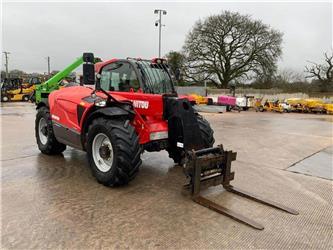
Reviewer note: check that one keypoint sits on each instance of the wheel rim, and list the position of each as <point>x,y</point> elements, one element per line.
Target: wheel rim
<point>102,152</point>
<point>42,131</point>
<point>5,98</point>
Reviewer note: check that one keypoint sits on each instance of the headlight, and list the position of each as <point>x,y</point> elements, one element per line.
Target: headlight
<point>158,135</point>
<point>100,103</point>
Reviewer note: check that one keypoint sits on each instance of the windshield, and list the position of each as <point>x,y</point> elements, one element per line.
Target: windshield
<point>155,77</point>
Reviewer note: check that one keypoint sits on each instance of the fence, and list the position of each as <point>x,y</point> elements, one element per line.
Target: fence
<point>262,93</point>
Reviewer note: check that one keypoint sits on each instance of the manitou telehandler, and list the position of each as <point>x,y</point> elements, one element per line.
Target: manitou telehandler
<point>133,108</point>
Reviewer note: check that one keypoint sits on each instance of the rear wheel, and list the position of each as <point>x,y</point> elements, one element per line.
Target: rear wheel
<point>46,141</point>
<point>113,151</point>
<point>25,98</point>
<point>207,135</point>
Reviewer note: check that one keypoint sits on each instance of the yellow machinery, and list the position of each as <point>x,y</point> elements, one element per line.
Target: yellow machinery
<point>9,86</point>
<point>296,104</point>
<point>269,105</point>
<point>199,99</point>
<point>273,106</point>
<point>329,108</point>
<point>15,90</point>
<point>257,104</point>
<point>21,94</point>
<point>307,105</point>
<point>314,105</point>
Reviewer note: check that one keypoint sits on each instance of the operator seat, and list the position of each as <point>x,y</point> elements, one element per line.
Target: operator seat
<point>124,86</point>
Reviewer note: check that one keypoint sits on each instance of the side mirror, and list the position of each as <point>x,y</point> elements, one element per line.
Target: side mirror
<point>88,57</point>
<point>88,69</point>
<point>88,74</point>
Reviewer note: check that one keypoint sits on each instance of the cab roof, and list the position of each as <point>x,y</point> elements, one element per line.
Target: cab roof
<point>100,65</point>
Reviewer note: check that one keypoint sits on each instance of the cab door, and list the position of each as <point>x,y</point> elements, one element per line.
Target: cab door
<point>122,79</point>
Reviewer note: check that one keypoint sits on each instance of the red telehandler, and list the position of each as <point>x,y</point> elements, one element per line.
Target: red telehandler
<point>132,108</point>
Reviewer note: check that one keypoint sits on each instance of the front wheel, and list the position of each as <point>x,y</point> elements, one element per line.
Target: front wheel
<point>4,98</point>
<point>46,141</point>
<point>113,151</point>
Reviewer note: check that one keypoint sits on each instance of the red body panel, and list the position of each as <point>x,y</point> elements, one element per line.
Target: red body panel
<point>63,105</point>
<point>148,107</point>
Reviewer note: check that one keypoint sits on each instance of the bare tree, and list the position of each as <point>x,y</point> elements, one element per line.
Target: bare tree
<point>231,46</point>
<point>322,72</point>
<point>16,73</point>
<point>288,75</point>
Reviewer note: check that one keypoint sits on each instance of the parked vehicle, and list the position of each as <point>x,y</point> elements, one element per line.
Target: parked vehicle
<point>329,108</point>
<point>285,107</point>
<point>272,106</point>
<point>14,89</point>
<point>228,101</point>
<point>245,102</point>
<point>199,99</point>
<point>134,107</point>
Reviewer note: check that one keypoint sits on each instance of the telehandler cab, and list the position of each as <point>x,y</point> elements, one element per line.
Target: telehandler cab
<point>133,107</point>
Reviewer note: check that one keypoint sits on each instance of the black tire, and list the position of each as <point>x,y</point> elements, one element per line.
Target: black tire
<point>51,146</point>
<point>25,98</point>
<point>126,151</point>
<point>5,98</point>
<point>207,134</point>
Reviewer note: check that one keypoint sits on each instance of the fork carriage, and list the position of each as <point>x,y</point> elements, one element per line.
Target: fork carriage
<point>211,167</point>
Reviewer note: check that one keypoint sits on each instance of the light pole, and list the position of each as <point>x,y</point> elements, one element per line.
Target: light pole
<point>159,24</point>
<point>6,64</point>
<point>48,65</point>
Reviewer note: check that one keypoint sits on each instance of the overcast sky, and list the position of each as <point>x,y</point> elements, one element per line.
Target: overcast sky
<point>33,31</point>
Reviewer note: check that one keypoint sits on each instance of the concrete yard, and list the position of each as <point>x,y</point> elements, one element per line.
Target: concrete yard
<point>54,202</point>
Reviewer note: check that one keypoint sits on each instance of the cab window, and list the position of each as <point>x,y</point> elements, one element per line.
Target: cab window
<point>119,76</point>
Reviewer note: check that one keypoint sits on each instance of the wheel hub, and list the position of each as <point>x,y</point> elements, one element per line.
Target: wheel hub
<point>102,152</point>
<point>105,152</point>
<point>44,131</point>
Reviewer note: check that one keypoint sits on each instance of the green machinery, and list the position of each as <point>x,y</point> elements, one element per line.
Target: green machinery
<point>43,90</point>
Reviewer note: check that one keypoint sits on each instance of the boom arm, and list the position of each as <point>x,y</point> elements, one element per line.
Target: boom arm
<point>53,83</point>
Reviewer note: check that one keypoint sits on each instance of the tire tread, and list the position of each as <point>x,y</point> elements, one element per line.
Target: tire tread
<point>128,148</point>
<point>52,147</point>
